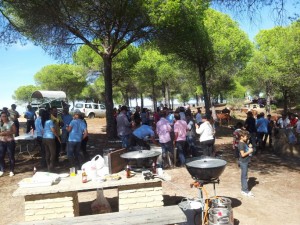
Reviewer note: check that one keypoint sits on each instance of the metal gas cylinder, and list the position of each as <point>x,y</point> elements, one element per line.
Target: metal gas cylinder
<point>219,216</point>
<point>221,212</point>
<point>221,202</point>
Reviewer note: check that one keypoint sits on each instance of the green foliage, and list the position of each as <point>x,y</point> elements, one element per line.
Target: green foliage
<point>181,31</point>
<point>93,92</point>
<point>68,78</point>
<point>87,57</point>
<point>122,72</point>
<point>61,26</point>
<point>232,49</point>
<point>273,107</point>
<point>23,93</point>
<point>239,91</point>
<point>276,63</point>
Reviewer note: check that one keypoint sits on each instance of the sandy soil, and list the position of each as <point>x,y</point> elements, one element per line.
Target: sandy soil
<point>274,181</point>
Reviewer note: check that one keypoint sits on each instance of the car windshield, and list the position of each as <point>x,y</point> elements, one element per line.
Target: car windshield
<point>79,105</point>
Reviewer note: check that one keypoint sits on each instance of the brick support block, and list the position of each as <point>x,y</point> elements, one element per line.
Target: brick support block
<point>50,206</point>
<point>140,196</point>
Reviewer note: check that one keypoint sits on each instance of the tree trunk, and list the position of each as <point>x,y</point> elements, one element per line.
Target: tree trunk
<point>167,95</point>
<point>127,99</point>
<point>285,101</point>
<point>111,128</point>
<point>197,99</point>
<point>268,94</point>
<point>172,103</point>
<point>202,75</point>
<point>163,88</point>
<point>154,97</point>
<point>142,101</point>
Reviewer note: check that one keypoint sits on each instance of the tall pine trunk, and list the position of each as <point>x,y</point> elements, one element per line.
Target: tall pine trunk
<point>202,75</point>
<point>111,128</point>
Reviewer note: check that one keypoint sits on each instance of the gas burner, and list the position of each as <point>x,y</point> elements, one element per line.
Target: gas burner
<point>203,182</point>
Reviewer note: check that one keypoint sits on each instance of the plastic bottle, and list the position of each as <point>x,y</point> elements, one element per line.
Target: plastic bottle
<point>250,146</point>
<point>84,176</point>
<point>127,171</point>
<point>154,167</point>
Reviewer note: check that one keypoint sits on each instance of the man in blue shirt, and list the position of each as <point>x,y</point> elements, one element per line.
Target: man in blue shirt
<point>140,133</point>
<point>30,116</point>
<point>170,117</point>
<point>262,129</point>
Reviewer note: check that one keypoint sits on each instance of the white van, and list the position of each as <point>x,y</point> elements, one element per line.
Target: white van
<point>90,109</point>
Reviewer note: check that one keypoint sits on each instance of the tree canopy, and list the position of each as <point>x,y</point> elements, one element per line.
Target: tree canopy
<point>276,63</point>
<point>23,94</point>
<point>60,26</point>
<point>68,78</point>
<point>110,26</point>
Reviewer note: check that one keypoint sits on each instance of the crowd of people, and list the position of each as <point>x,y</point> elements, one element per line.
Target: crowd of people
<point>251,137</point>
<point>178,130</point>
<point>173,129</point>
<point>261,129</point>
<point>55,134</point>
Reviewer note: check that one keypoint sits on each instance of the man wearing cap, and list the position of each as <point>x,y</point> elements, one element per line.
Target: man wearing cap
<point>14,115</point>
<point>77,132</point>
<point>207,135</point>
<point>124,127</point>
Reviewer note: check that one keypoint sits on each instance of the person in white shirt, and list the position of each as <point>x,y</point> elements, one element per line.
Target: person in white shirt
<point>207,135</point>
<point>283,122</point>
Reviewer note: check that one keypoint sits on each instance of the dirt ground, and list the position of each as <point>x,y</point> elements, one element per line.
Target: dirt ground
<point>274,181</point>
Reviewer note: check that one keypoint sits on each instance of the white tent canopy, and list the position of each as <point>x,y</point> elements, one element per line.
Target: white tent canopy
<point>43,95</point>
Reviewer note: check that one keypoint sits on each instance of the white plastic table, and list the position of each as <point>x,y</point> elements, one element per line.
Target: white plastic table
<point>24,139</point>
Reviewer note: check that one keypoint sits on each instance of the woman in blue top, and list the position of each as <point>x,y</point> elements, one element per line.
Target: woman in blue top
<point>77,131</point>
<point>49,134</point>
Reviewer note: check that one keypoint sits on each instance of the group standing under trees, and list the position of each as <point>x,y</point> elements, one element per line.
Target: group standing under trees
<point>109,27</point>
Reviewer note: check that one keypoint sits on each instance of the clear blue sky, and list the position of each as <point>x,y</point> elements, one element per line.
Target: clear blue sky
<point>18,66</point>
<point>20,63</point>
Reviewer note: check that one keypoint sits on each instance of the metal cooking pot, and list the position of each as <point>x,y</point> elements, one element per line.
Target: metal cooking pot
<point>141,154</point>
<point>141,159</point>
<point>206,169</point>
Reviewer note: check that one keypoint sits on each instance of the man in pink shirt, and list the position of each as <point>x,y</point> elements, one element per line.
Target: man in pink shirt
<point>180,128</point>
<point>163,130</point>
